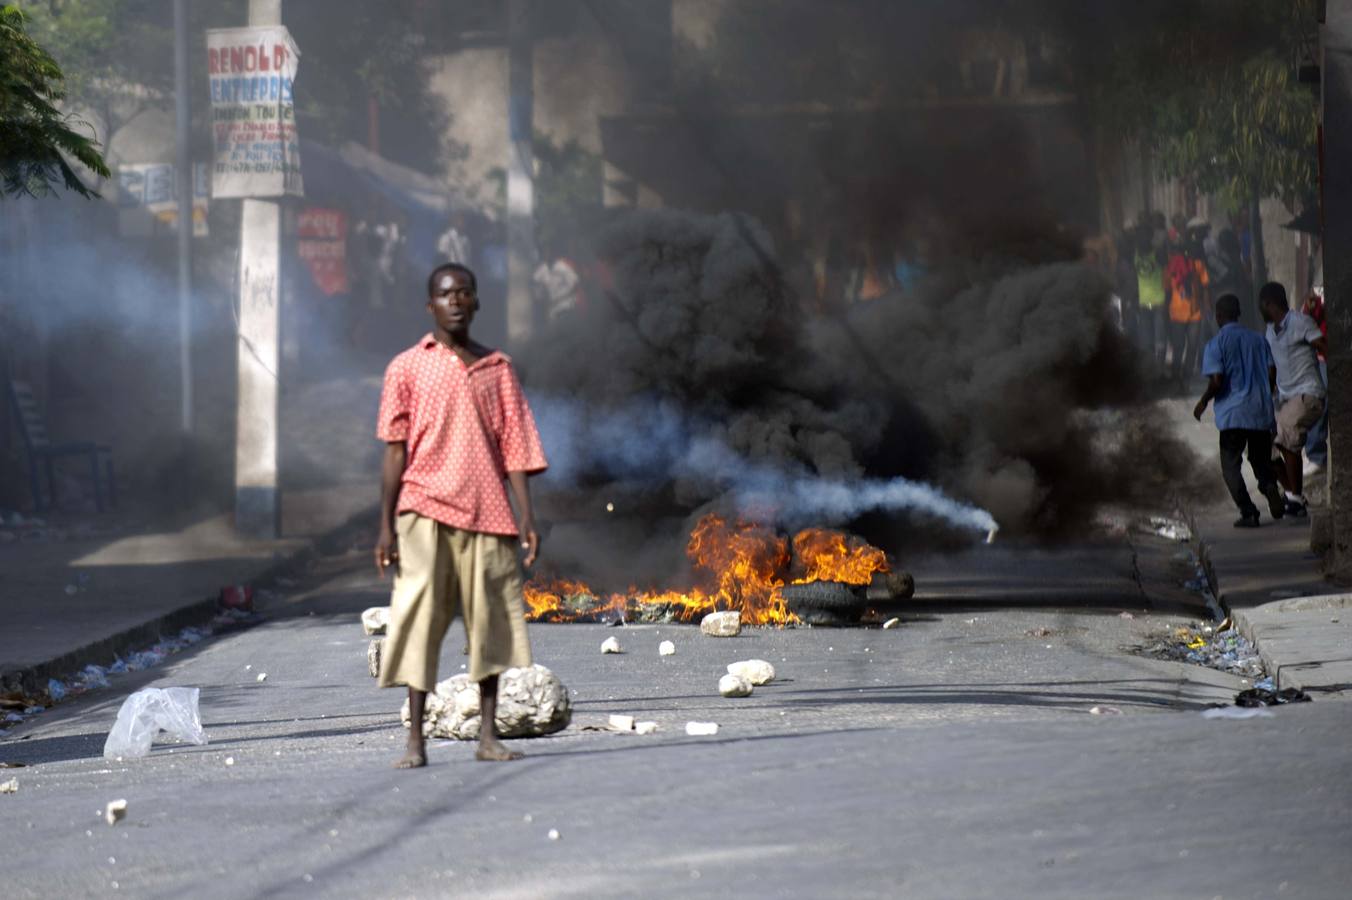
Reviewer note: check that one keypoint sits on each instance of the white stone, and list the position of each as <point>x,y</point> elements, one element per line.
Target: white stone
<point>700,729</point>
<point>531,702</point>
<point>722,624</point>
<point>262,676</point>
<point>553,834</point>
<point>115,811</point>
<point>645,727</point>
<point>892,622</point>
<point>666,648</point>
<point>756,671</point>
<point>734,686</point>
<point>229,760</point>
<point>622,723</point>
<point>375,620</point>
<point>611,645</point>
<point>9,787</point>
<point>373,652</point>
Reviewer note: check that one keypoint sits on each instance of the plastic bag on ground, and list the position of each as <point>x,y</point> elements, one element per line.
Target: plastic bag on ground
<point>148,712</point>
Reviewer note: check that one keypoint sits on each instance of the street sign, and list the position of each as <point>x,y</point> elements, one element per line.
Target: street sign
<point>253,116</point>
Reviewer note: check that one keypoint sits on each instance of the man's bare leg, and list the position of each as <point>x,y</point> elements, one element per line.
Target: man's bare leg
<point>415,757</point>
<point>1295,471</point>
<point>490,748</point>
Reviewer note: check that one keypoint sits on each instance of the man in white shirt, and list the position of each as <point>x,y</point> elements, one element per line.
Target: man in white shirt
<point>1296,343</point>
<point>453,245</point>
<point>557,284</point>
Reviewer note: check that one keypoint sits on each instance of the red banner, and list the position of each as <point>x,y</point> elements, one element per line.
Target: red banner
<point>323,246</point>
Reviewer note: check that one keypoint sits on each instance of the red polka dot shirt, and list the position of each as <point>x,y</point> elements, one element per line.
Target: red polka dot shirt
<point>466,427</point>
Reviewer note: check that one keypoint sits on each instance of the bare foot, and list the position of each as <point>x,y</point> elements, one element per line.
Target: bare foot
<point>493,751</point>
<point>414,758</point>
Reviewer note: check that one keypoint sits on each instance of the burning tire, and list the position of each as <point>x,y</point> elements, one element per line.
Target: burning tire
<point>825,602</point>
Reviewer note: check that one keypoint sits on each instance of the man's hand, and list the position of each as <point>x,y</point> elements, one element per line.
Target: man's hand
<point>530,542</point>
<point>1198,410</point>
<point>387,551</point>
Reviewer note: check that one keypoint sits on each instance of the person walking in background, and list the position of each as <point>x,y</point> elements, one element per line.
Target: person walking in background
<point>1187,280</point>
<point>1296,343</point>
<point>1237,363</point>
<point>454,245</point>
<point>1201,248</point>
<point>1150,281</point>
<point>1317,443</point>
<point>557,286</point>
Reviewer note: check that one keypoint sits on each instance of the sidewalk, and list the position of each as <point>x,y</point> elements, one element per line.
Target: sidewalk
<point>70,602</point>
<point>1269,580</point>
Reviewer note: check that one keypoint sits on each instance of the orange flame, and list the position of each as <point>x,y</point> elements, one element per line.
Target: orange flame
<point>826,555</point>
<point>742,567</point>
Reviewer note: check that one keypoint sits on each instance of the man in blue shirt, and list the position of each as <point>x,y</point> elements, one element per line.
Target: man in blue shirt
<point>1238,365</point>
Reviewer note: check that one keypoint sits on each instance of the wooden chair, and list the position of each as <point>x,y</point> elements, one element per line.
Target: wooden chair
<point>42,453</point>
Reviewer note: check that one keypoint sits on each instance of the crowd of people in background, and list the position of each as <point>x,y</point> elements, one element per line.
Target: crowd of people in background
<point>1166,278</point>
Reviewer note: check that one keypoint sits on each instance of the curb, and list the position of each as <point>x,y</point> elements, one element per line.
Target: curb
<point>1203,551</point>
<point>1270,663</point>
<point>1286,675</point>
<point>32,680</point>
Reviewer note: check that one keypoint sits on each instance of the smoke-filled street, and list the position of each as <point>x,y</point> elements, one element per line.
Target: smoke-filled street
<point>956,755</point>
<point>664,448</point>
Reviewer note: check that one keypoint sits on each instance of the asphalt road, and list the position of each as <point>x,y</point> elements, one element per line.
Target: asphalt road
<point>952,757</point>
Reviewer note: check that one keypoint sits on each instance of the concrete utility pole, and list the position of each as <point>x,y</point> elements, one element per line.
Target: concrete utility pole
<point>520,171</point>
<point>257,498</point>
<point>183,172</point>
<point>1337,116</point>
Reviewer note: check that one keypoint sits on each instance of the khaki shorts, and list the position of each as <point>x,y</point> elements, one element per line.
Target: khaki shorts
<point>1295,418</point>
<point>445,571</point>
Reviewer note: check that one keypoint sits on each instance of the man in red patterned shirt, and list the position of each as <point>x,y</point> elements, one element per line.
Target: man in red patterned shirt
<point>456,425</point>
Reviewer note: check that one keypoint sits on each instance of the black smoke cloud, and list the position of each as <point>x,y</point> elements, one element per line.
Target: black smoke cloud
<point>999,380</point>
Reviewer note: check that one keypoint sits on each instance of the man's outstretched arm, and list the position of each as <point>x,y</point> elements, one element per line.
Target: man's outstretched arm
<point>391,474</point>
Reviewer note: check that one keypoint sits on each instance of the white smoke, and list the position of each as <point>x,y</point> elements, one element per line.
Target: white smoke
<point>766,492</point>
<point>655,444</point>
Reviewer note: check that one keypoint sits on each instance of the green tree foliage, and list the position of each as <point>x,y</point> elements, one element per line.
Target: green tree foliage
<point>353,52</point>
<point>1214,93</point>
<point>568,188</point>
<point>35,136</point>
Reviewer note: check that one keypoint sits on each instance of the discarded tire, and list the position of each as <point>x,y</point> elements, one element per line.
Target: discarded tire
<point>825,602</point>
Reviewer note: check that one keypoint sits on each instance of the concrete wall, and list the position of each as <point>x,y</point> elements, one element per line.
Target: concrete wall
<point>579,78</point>
<point>473,84</point>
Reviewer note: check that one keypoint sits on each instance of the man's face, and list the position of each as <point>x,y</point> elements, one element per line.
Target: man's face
<point>454,302</point>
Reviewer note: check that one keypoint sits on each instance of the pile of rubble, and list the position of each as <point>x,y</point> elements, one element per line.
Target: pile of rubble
<point>1226,650</point>
<point>532,702</point>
